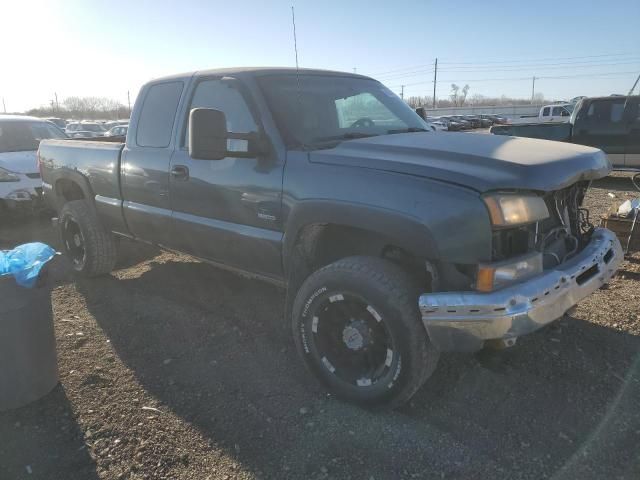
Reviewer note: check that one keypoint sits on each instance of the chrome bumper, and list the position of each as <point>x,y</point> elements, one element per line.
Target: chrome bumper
<point>463,321</point>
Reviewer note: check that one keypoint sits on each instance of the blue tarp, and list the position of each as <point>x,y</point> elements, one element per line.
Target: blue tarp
<point>25,261</point>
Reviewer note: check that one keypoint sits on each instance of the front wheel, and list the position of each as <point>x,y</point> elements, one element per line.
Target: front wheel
<point>357,326</point>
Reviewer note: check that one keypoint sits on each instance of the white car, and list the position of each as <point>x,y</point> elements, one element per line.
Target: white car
<point>20,183</point>
<point>85,129</point>
<point>437,126</point>
<point>117,131</point>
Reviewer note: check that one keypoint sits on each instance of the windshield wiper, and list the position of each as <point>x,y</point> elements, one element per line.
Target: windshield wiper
<point>347,136</point>
<point>408,130</point>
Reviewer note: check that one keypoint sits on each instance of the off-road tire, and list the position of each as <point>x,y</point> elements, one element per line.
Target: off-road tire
<point>99,244</point>
<point>393,294</point>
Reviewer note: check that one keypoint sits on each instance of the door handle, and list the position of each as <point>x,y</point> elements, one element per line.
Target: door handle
<point>180,172</point>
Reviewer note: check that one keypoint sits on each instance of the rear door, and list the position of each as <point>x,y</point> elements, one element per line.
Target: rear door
<point>632,149</point>
<point>559,114</point>
<point>145,163</point>
<point>545,114</point>
<point>602,124</point>
<point>229,210</point>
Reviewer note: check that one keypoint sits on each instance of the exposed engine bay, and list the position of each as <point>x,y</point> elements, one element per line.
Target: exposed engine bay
<point>568,229</point>
<point>560,236</point>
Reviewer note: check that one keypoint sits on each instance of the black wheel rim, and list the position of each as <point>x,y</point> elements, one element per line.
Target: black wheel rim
<point>351,342</point>
<point>74,242</point>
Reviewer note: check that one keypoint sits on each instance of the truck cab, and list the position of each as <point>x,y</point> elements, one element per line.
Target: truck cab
<point>555,113</point>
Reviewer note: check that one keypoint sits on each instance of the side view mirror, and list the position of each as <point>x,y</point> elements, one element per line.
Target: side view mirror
<point>209,138</point>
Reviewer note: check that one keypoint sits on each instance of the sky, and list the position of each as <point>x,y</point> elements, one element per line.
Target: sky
<point>85,48</point>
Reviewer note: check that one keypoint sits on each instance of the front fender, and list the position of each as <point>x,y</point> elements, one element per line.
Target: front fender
<point>430,219</point>
<point>402,230</point>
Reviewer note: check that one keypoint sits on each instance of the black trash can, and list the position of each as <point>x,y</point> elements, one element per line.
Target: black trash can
<point>28,361</point>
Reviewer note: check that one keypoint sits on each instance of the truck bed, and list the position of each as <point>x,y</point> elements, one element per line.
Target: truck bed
<point>93,164</point>
<point>558,131</point>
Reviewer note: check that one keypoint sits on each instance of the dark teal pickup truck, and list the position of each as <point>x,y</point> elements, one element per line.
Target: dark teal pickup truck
<point>394,243</point>
<point>611,124</point>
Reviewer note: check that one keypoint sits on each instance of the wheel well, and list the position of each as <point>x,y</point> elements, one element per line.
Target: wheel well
<point>68,190</point>
<point>322,244</point>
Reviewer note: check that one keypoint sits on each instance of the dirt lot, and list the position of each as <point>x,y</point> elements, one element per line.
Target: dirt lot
<point>170,368</point>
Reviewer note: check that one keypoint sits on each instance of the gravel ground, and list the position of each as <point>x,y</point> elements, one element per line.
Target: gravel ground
<point>170,368</point>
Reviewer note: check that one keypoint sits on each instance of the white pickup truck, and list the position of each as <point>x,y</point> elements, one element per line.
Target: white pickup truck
<point>559,112</point>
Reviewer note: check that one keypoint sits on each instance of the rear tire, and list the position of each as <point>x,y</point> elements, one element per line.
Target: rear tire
<point>357,327</point>
<point>90,248</point>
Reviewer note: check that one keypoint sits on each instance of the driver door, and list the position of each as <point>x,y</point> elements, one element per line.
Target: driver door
<point>227,211</point>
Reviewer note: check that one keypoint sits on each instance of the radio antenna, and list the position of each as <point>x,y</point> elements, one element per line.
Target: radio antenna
<point>295,47</point>
<point>295,40</point>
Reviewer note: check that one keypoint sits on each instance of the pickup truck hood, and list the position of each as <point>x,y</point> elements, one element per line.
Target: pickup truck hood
<point>19,162</point>
<point>477,161</point>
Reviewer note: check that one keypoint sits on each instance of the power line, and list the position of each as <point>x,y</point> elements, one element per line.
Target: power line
<point>517,63</point>
<point>550,66</point>
<point>541,59</point>
<point>559,77</point>
<point>513,68</point>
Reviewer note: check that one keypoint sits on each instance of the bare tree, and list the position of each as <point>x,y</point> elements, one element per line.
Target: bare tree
<point>463,95</point>
<point>455,90</point>
<point>85,108</point>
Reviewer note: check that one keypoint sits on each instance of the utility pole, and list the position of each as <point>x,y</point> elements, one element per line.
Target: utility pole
<point>634,86</point>
<point>57,105</point>
<point>435,81</point>
<point>129,103</point>
<point>402,92</point>
<point>533,89</point>
<point>4,106</point>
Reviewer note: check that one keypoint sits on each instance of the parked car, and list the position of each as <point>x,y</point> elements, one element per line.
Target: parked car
<point>117,131</point>
<point>452,125</point>
<point>464,123</point>
<point>20,184</point>
<point>478,121</point>
<point>393,243</point>
<point>114,123</point>
<point>58,122</point>
<point>473,121</point>
<point>85,129</point>
<point>495,119</point>
<point>611,124</point>
<point>437,126</point>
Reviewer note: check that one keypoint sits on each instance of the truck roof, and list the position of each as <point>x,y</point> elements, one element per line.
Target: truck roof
<point>609,97</point>
<point>20,118</point>
<point>257,71</point>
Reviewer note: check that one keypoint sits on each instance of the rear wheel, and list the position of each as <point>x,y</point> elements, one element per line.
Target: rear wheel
<point>90,248</point>
<point>357,327</point>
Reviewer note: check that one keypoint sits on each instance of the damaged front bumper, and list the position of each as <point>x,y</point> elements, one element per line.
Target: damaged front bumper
<point>464,321</point>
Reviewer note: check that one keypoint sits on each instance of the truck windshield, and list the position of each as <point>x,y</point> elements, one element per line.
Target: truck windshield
<point>25,136</point>
<point>316,111</point>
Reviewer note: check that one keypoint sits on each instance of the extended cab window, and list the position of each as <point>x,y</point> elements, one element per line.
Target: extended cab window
<point>157,115</point>
<point>222,96</point>
<point>605,111</point>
